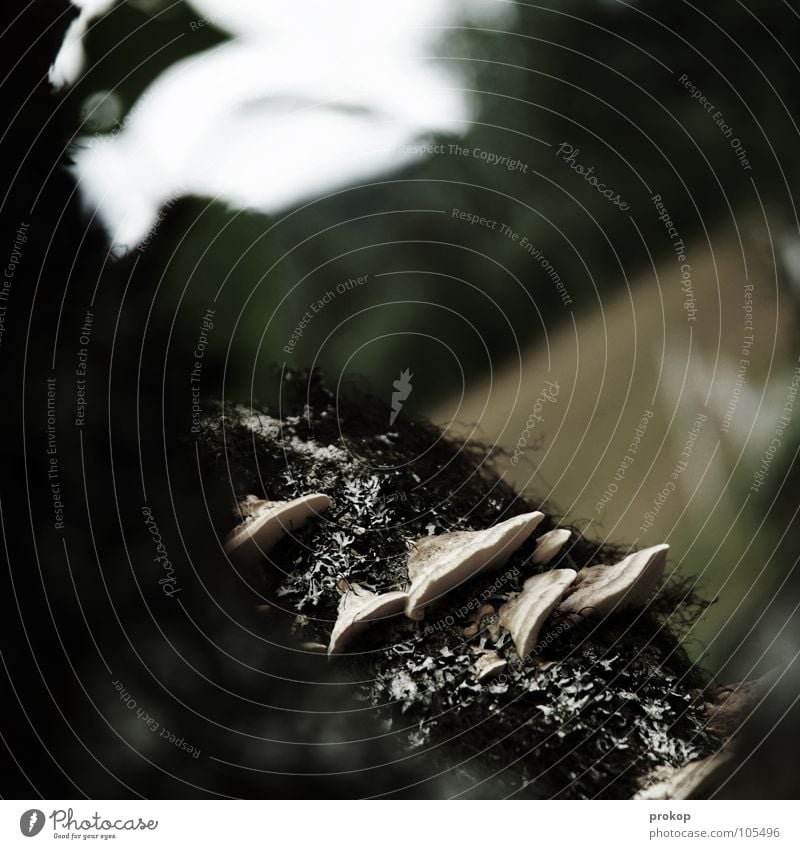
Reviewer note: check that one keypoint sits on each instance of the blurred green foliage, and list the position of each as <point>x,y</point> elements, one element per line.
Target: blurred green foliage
<point>453,301</point>
<point>603,77</point>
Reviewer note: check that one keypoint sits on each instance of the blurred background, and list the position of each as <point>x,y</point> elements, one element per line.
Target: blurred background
<point>574,224</point>
<point>425,152</point>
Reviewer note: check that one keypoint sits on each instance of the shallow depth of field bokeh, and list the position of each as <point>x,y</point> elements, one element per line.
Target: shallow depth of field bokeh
<point>482,258</point>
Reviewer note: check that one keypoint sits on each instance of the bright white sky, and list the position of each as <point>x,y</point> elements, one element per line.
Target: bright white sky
<point>308,97</point>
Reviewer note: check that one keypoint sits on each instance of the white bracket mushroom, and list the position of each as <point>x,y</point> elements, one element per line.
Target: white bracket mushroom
<point>600,590</point>
<point>268,522</point>
<point>524,615</point>
<point>438,564</point>
<point>548,545</point>
<point>487,664</point>
<point>357,608</point>
<point>493,626</point>
<point>692,780</point>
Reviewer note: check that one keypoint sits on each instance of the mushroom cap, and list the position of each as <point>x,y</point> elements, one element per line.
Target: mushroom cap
<point>729,706</point>
<point>475,626</point>
<point>271,520</point>
<point>524,615</point>
<point>438,564</point>
<point>692,780</point>
<point>548,545</point>
<point>489,663</point>
<point>600,590</point>
<point>357,608</point>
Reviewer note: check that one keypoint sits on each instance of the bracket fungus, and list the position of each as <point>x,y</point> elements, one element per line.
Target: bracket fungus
<point>268,522</point>
<point>439,564</point>
<point>548,545</point>
<point>692,780</point>
<point>487,664</point>
<point>484,611</point>
<point>600,590</point>
<point>357,608</point>
<point>524,615</point>
<point>728,707</point>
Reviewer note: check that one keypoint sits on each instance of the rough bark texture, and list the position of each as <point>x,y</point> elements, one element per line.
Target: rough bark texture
<point>593,710</point>
<point>596,708</point>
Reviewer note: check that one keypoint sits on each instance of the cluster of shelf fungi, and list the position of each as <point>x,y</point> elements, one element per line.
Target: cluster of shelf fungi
<point>439,564</point>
